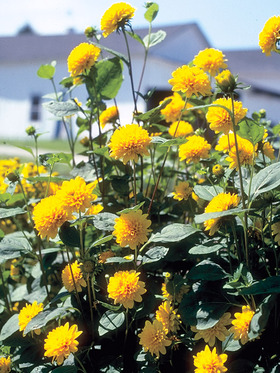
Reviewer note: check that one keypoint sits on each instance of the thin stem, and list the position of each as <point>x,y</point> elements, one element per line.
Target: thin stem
<point>74,282</point>
<point>90,303</point>
<point>245,225</point>
<point>80,363</point>
<point>134,182</point>
<point>130,70</point>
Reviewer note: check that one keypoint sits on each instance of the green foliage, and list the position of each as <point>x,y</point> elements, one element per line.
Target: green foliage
<point>46,71</point>
<point>151,12</point>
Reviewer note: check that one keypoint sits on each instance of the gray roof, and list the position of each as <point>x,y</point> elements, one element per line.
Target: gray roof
<point>186,39</point>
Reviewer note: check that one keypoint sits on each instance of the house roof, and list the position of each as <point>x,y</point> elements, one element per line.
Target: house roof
<point>181,42</point>
<point>256,69</point>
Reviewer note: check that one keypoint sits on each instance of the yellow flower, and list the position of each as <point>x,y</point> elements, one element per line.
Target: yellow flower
<point>5,364</point>
<point>194,149</point>
<point>219,118</point>
<point>110,115</point>
<point>132,229</point>
<point>268,150</point>
<point>82,58</point>
<point>129,142</point>
<point>125,288</point>
<point>165,293</point>
<point>226,81</point>
<point>210,60</point>
<point>48,215</point>
<point>221,202</point>
<point>276,231</point>
<point>180,129</point>
<point>182,191</point>
<point>241,324</point>
<point>27,313</point>
<point>225,142</point>
<point>218,331</point>
<point>75,195</point>
<point>67,278</point>
<point>61,342</point>
<point>94,209</point>
<point>208,361</point>
<point>153,338</point>
<point>105,255</point>
<point>269,35</point>
<point>190,80</point>
<point>173,110</point>
<point>117,16</point>
<point>167,316</point>
<point>246,152</point>
<point>218,170</point>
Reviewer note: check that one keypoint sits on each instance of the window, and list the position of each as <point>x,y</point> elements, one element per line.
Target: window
<point>35,112</point>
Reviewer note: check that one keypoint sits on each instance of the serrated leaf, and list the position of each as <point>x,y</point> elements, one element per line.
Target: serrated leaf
<point>207,192</point>
<point>110,321</point>
<point>151,12</point>
<point>154,38</point>
<point>61,109</point>
<point>264,181</point>
<point>174,233</point>
<point>250,130</point>
<point>69,235</point>
<point>109,77</point>
<point>207,270</point>
<point>46,71</point>
<point>155,254</point>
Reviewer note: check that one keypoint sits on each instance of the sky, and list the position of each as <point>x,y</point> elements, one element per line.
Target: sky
<point>227,24</point>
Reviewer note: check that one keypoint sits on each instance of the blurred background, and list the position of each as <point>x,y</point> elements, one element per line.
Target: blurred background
<point>37,32</point>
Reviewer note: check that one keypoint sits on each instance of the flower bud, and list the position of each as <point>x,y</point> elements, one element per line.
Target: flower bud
<point>218,170</point>
<point>90,32</point>
<point>226,81</point>
<point>30,131</point>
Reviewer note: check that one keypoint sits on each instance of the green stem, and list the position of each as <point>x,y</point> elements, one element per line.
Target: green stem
<point>90,304</point>
<point>80,363</point>
<point>130,70</point>
<point>245,225</point>
<point>6,299</point>
<point>134,182</point>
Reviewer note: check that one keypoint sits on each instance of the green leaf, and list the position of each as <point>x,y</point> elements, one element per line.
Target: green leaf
<point>207,247</point>
<point>42,318</point>
<point>151,12</point>
<point>155,254</point>
<point>53,158</point>
<point>101,241</point>
<point>120,184</point>
<point>173,142</point>
<point>267,286</point>
<point>260,318</point>
<point>104,221</point>
<point>46,71</point>
<point>109,77</point>
<point>120,259</point>
<point>113,52</point>
<point>250,130</point>
<point>9,328</point>
<point>154,38</point>
<point>153,115</point>
<point>135,37</point>
<point>174,233</point>
<point>219,214</point>
<point>13,246</point>
<point>207,192</point>
<point>134,208</point>
<point>69,235</point>
<point>265,180</point>
<point>26,148</point>
<point>61,109</point>
<point>110,321</point>
<point>7,213</point>
<point>207,270</point>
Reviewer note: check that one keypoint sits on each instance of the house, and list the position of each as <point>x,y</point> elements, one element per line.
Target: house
<point>21,90</point>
